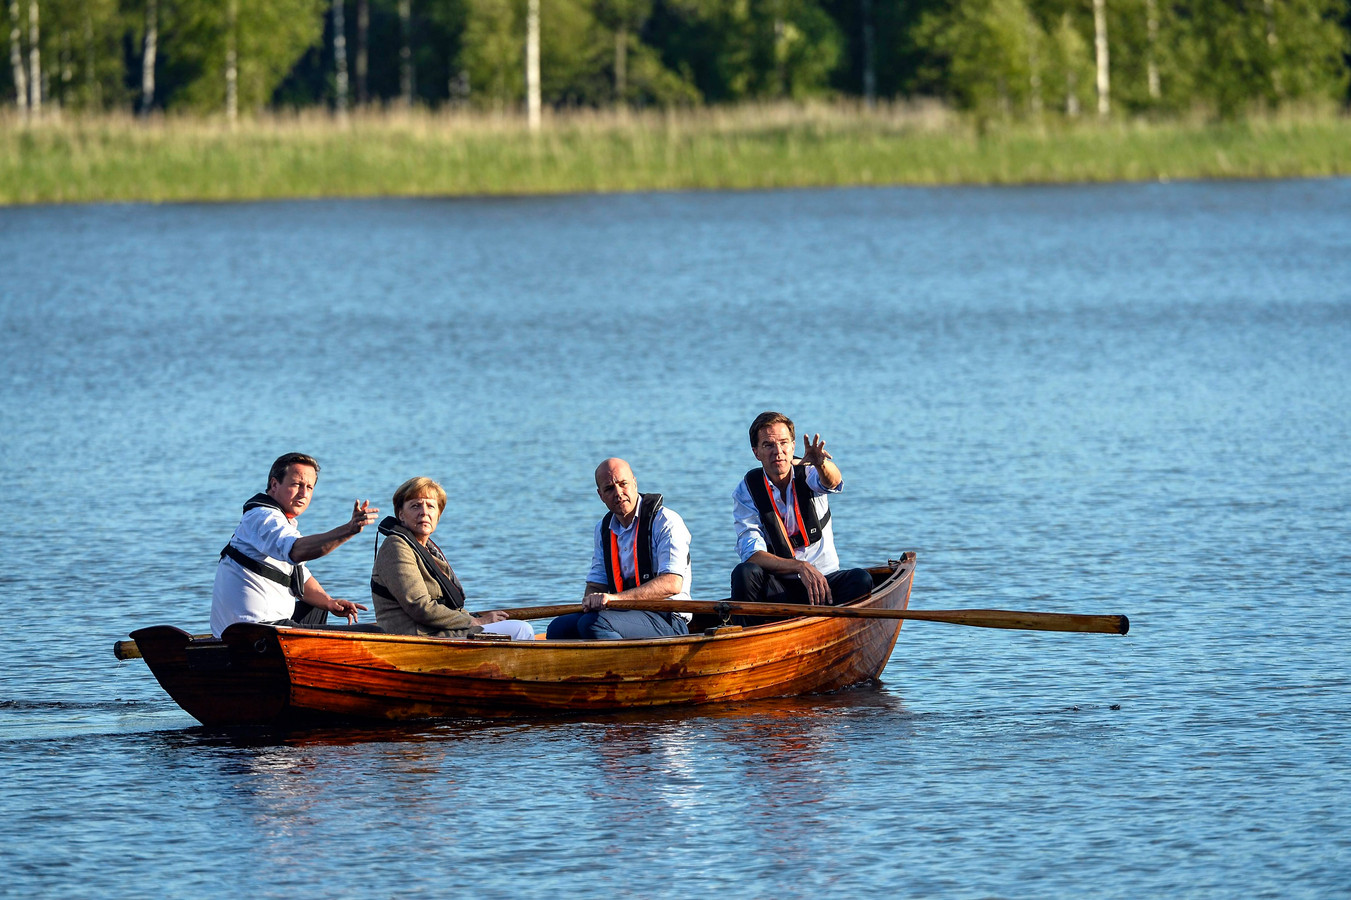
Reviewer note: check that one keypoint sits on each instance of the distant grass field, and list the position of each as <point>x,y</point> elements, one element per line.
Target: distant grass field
<point>73,159</point>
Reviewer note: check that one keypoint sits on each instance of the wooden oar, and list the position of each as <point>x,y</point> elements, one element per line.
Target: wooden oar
<point>977,618</point>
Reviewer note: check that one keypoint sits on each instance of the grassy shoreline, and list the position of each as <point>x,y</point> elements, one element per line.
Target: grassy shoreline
<point>116,158</point>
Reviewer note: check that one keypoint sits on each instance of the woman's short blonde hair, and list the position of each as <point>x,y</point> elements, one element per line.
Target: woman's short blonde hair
<point>420,486</point>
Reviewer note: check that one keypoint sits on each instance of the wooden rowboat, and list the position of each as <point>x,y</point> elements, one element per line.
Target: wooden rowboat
<point>261,675</point>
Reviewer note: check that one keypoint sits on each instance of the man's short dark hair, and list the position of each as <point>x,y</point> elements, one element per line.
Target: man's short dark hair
<point>765,419</point>
<point>286,461</point>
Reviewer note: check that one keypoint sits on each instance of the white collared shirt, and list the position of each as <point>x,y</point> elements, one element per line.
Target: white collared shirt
<point>750,534</point>
<point>670,549</point>
<point>264,534</point>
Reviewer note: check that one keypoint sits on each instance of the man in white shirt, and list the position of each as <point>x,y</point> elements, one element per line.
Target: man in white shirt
<point>783,531</point>
<point>261,575</point>
<point>641,552</point>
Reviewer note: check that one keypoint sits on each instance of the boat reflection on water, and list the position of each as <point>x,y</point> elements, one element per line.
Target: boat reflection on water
<point>797,715</point>
<point>684,763</point>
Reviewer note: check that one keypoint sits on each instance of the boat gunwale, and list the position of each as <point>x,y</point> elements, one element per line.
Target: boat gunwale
<point>902,569</point>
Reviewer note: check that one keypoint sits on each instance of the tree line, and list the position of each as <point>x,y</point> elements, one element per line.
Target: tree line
<point>997,57</point>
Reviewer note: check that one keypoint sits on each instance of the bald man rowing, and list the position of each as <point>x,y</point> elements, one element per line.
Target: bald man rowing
<point>642,552</point>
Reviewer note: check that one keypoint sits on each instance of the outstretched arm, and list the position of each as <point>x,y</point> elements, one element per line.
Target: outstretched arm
<point>316,545</point>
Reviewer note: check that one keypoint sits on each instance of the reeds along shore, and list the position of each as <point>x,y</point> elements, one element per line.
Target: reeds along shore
<point>67,158</point>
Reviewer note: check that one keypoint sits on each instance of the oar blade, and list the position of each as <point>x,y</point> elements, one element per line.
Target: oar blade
<point>1026,621</point>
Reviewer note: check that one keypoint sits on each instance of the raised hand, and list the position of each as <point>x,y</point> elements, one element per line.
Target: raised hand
<point>815,453</point>
<point>363,514</point>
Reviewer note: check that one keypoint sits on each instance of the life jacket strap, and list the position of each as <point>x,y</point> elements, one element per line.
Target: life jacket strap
<point>809,526</point>
<point>293,582</point>
<point>642,546</point>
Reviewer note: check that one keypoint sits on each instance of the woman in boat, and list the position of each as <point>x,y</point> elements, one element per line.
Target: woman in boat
<point>413,586</point>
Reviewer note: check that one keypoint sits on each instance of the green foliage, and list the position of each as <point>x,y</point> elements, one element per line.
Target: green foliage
<point>492,55</point>
<point>650,83</point>
<point>79,45</point>
<point>1068,81</point>
<point>992,55</point>
<point>1270,52</point>
<point>806,47</point>
<point>573,54</point>
<point>752,49</point>
<point>998,58</point>
<point>269,36</point>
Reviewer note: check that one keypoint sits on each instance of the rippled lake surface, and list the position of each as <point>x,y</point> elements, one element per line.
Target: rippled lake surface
<point>1120,399</point>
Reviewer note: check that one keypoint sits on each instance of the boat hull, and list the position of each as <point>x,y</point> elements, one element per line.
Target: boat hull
<point>261,675</point>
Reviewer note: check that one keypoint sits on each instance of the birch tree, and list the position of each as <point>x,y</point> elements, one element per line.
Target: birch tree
<point>231,60</point>
<point>532,86</point>
<point>1152,50</point>
<point>149,53</point>
<point>1100,55</point>
<point>16,59</point>
<point>74,58</point>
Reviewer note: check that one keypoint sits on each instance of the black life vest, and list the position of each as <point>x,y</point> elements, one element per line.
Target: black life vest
<point>451,589</point>
<point>294,582</point>
<point>780,544</point>
<point>648,507</point>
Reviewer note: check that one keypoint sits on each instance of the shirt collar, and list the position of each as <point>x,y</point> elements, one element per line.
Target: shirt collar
<point>619,529</point>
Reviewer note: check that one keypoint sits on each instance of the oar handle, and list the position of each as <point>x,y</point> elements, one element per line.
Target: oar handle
<point>543,612</point>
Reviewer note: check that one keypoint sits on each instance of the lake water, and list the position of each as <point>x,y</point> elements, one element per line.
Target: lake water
<point>1115,399</point>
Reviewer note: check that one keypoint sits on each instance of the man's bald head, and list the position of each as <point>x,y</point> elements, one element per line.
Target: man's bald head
<point>612,468</point>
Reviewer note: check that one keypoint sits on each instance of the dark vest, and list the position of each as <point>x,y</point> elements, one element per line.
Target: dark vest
<point>651,504</point>
<point>779,543</point>
<point>451,589</point>
<point>294,582</point>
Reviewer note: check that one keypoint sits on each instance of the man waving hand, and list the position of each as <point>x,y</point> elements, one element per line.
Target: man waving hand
<point>783,530</point>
